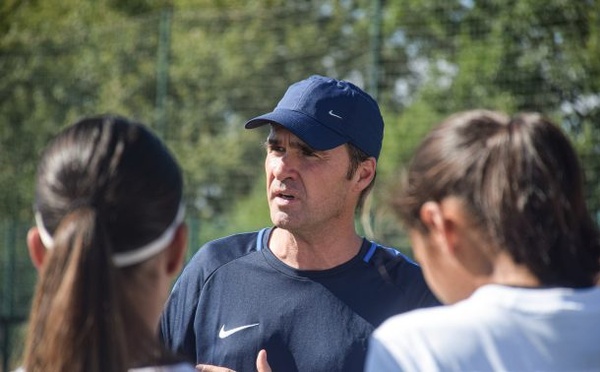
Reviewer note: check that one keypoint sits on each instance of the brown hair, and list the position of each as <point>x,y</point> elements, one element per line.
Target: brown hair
<point>521,181</point>
<point>104,185</point>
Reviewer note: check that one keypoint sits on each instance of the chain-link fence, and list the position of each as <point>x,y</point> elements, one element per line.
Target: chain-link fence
<point>195,73</point>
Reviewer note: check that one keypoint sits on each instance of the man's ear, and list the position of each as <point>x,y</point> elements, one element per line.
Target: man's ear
<point>177,250</point>
<point>366,172</point>
<point>37,250</point>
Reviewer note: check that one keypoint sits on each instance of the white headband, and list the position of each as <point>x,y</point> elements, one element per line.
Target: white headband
<point>123,259</point>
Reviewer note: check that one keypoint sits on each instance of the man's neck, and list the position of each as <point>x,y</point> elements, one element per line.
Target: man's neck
<point>309,252</point>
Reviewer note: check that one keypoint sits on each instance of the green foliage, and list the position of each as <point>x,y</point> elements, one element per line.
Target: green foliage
<point>229,60</point>
<point>58,68</point>
<point>403,132</point>
<point>251,212</point>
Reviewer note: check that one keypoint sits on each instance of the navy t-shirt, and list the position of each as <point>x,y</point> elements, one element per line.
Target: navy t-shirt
<point>235,298</point>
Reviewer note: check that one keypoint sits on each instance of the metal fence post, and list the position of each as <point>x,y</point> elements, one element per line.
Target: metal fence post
<point>7,310</point>
<point>162,70</point>
<point>375,48</point>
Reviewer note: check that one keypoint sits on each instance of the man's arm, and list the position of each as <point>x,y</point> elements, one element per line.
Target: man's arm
<point>177,320</point>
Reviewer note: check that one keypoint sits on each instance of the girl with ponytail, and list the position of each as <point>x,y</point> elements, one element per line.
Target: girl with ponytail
<point>109,237</point>
<point>495,208</point>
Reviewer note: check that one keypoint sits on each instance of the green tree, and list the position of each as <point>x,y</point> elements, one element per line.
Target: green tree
<point>518,55</point>
<point>63,60</point>
<point>245,54</point>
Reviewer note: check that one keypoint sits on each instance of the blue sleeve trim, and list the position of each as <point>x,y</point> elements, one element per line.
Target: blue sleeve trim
<point>259,239</point>
<point>392,251</point>
<point>370,252</point>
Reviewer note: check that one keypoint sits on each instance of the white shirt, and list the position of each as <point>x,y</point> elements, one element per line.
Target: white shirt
<point>498,328</point>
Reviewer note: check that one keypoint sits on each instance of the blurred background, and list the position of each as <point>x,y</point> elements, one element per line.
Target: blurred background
<point>195,70</point>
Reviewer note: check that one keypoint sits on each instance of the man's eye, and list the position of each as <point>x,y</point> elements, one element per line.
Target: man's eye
<point>273,148</point>
<point>308,152</point>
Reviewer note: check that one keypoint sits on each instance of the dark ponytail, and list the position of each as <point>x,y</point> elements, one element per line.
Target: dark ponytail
<point>76,302</point>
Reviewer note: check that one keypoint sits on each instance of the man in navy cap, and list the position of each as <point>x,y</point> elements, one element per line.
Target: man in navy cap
<point>309,290</point>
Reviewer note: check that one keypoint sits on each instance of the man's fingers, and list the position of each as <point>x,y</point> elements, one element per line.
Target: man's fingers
<point>262,365</point>
<point>209,368</point>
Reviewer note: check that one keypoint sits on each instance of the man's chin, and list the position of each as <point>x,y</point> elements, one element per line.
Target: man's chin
<point>281,220</point>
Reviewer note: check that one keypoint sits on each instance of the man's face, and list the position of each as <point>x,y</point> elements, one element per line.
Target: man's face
<point>307,190</point>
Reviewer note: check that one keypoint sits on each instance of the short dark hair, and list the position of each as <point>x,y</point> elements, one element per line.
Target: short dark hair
<point>521,181</point>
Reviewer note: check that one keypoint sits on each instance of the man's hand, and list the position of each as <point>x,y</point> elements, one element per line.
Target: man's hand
<point>209,368</point>
<point>262,365</point>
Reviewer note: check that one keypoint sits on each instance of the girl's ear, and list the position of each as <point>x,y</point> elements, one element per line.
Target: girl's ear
<point>177,250</point>
<point>440,225</point>
<point>431,215</point>
<point>37,250</point>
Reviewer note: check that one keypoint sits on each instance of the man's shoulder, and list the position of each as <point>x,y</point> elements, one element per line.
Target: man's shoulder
<point>394,261</point>
<point>404,273</point>
<point>216,253</point>
<point>225,249</point>
<point>243,242</point>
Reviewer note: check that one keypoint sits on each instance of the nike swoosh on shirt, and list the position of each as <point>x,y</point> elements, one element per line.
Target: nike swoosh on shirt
<point>224,334</point>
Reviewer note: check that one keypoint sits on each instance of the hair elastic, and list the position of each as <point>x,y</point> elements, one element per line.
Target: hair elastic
<point>132,257</point>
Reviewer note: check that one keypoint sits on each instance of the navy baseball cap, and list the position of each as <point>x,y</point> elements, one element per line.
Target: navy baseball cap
<point>326,113</point>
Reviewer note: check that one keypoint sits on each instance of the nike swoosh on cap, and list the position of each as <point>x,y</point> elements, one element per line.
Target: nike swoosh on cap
<point>224,334</point>
<point>334,114</point>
